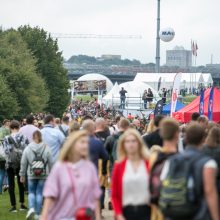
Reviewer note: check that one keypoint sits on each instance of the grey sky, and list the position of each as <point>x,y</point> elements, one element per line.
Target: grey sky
<point>191,19</point>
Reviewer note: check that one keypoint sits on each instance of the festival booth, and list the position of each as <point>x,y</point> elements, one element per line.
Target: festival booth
<point>133,96</point>
<point>167,108</point>
<point>184,115</point>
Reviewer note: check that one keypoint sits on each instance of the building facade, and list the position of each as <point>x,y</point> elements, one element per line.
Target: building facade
<point>179,57</point>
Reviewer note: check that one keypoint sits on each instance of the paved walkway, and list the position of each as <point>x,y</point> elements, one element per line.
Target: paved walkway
<point>108,215</point>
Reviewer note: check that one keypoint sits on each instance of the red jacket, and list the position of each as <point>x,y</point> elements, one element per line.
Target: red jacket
<point>117,188</point>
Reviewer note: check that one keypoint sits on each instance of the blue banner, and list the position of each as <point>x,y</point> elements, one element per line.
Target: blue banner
<point>210,106</point>
<point>201,103</point>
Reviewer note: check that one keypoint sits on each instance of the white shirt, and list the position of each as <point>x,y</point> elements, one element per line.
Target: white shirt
<point>135,185</point>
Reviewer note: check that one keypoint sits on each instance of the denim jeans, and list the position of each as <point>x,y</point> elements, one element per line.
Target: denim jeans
<point>35,196</point>
<point>2,177</point>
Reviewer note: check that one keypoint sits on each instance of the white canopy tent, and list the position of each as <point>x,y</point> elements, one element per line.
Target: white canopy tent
<point>133,96</point>
<point>189,80</point>
<point>208,79</point>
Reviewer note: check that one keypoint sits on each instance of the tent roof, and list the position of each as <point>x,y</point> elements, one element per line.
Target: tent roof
<point>96,76</point>
<point>168,77</point>
<point>207,78</point>
<point>184,115</point>
<point>167,108</point>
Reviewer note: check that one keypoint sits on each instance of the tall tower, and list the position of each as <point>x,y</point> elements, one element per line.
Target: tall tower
<point>158,39</point>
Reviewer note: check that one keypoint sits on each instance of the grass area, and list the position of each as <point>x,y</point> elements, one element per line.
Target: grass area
<point>5,206</point>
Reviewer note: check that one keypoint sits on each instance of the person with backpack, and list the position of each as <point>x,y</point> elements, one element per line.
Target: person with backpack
<point>170,134</point>
<point>64,127</point>
<point>130,179</point>
<point>212,149</point>
<point>36,162</point>
<point>4,131</point>
<point>14,145</point>
<point>189,188</point>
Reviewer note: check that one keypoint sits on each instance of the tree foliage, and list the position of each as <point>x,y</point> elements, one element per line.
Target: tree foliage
<point>26,91</point>
<point>49,66</point>
<point>84,59</point>
<point>9,106</point>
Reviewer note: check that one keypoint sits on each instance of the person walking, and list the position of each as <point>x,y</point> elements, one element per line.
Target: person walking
<point>170,135</point>
<point>4,131</point>
<point>198,174</point>
<point>96,147</point>
<point>212,149</point>
<point>72,188</point>
<point>130,179</point>
<point>28,129</point>
<point>64,126</point>
<point>123,97</point>
<point>144,98</point>
<point>52,137</point>
<point>14,145</point>
<point>36,162</point>
<point>154,138</point>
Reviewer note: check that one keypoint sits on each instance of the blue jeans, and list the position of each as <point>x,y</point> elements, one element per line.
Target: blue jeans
<point>35,196</point>
<point>2,177</point>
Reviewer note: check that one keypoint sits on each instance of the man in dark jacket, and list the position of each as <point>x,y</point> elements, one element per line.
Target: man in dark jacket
<point>154,138</point>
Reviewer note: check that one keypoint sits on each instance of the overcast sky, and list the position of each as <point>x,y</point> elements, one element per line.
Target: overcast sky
<point>191,19</point>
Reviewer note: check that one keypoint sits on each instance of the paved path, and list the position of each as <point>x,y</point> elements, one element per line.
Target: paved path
<point>108,215</point>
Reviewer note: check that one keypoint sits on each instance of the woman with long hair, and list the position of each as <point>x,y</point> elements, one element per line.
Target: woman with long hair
<point>130,179</point>
<point>72,189</point>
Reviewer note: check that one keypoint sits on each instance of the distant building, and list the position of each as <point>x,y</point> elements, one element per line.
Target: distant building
<point>215,66</point>
<point>179,57</point>
<point>110,57</point>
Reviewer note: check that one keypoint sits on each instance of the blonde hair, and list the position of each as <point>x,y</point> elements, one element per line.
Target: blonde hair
<point>121,152</point>
<point>66,151</point>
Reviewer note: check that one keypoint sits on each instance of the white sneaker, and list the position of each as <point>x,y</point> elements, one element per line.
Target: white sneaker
<point>30,214</point>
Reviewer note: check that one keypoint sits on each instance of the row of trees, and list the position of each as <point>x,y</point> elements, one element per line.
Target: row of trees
<point>32,76</point>
<point>84,59</point>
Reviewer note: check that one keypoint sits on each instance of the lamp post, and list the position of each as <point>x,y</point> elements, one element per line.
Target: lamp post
<point>158,39</point>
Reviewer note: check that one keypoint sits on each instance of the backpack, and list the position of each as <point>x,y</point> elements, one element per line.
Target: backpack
<point>115,146</point>
<point>38,165</point>
<point>155,182</point>
<point>15,154</point>
<point>64,133</point>
<point>181,193</point>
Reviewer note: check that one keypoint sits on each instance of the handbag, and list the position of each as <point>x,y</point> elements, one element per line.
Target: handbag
<point>81,213</point>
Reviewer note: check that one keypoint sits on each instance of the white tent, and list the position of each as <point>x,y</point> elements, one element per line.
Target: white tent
<point>207,79</point>
<point>133,96</point>
<point>96,76</point>
<point>189,80</point>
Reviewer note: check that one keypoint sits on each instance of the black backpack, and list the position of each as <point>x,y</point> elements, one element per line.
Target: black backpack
<point>181,190</point>
<point>155,182</point>
<point>38,165</point>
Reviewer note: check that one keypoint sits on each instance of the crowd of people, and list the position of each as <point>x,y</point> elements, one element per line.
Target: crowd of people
<point>73,168</point>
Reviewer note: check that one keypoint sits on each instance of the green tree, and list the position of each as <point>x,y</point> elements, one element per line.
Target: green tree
<point>9,107</point>
<point>49,66</point>
<point>17,67</point>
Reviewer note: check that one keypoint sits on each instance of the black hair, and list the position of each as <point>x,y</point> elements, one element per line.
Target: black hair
<point>195,116</point>
<point>48,119</point>
<point>158,119</point>
<point>30,119</point>
<point>14,124</point>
